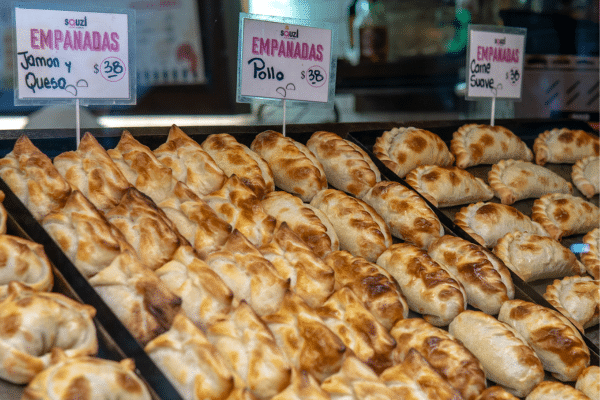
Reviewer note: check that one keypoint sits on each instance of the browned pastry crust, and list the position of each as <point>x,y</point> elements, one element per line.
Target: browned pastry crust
<point>360,229</point>
<point>310,277</point>
<point>564,214</point>
<point>577,298</point>
<point>373,285</point>
<point>514,180</point>
<point>586,175</point>
<point>295,167</point>
<point>403,149</point>
<point>487,222</point>
<point>24,261</point>
<point>554,339</point>
<point>555,390</point>
<point>147,228</point>
<point>250,350</point>
<point>495,393</point>
<point>3,214</point>
<point>448,186</point>
<point>445,354</point>
<point>488,284</point>
<point>406,213</point>
<point>347,167</point>
<point>85,235</point>
<point>310,223</point>
<point>355,380</point>
<point>564,146</point>
<point>474,144</point>
<point>90,170</point>
<point>192,364</point>
<point>591,256</point>
<point>235,158</point>
<point>33,179</point>
<point>34,323</point>
<point>302,386</point>
<point>589,382</point>
<point>428,288</point>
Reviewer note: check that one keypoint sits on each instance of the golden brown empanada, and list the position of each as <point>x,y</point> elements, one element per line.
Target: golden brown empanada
<point>448,186</point>
<point>403,149</point>
<point>590,257</point>
<point>487,222</point>
<point>302,386</point>
<point>444,353</point>
<point>310,223</point>
<point>474,144</point>
<point>565,215</point>
<point>589,382</point>
<point>373,285</point>
<point>34,323</point>
<point>514,180</point>
<point>549,390</point>
<point>406,213</point>
<point>33,178</point>
<point>506,357</point>
<point>359,228</point>
<point>428,288</point>
<point>355,380</point>
<point>535,257</point>
<point>486,279</point>
<point>577,298</point>
<point>556,342</point>
<point>564,146</point>
<point>190,163</point>
<point>495,393</point>
<point>295,167</point>
<point>90,170</point>
<point>586,175</point>
<point>347,167</point>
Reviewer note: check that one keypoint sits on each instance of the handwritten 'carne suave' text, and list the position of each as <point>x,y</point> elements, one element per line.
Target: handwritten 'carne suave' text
<point>287,49</point>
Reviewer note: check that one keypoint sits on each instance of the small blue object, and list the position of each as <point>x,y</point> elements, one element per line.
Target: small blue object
<point>580,248</point>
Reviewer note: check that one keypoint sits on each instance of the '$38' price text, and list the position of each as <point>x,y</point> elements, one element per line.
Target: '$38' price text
<point>112,69</point>
<point>315,76</point>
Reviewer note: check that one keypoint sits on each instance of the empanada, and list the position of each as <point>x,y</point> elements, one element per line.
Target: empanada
<point>295,167</point>
<point>302,386</point>
<point>310,223</point>
<point>355,380</point>
<point>556,342</point>
<point>428,288</point>
<point>514,180</point>
<point>487,222</point>
<point>33,178</point>
<point>586,175</point>
<point>474,144</point>
<point>90,170</point>
<point>359,228</point>
<point>347,167</point>
<point>487,282</point>
<point>235,158</point>
<point>590,257</point>
<point>403,149</point>
<point>565,215</point>
<point>506,357</point>
<point>589,382</point>
<point>549,390</point>
<point>564,146</point>
<point>495,393</point>
<point>406,213</point>
<point>535,257</point>
<point>577,298</point>
<point>448,186</point>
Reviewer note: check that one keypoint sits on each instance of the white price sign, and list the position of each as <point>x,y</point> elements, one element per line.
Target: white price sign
<point>279,60</point>
<point>72,55</point>
<point>495,62</point>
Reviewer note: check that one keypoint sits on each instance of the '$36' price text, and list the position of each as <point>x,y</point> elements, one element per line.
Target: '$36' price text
<point>315,76</point>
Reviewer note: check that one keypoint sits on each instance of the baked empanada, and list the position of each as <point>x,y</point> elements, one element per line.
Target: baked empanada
<point>302,386</point>
<point>190,163</point>
<point>556,342</point>
<point>235,158</point>
<point>549,390</point>
<point>565,215</point>
<point>589,382</point>
<point>403,149</point>
<point>486,279</point>
<point>347,167</point>
<point>355,380</point>
<point>495,393</point>
<point>474,144</point>
<point>514,180</point>
<point>564,146</point>
<point>428,288</point>
<point>359,228</point>
<point>406,213</point>
<point>506,357</point>
<point>586,175</point>
<point>295,167</point>
<point>488,222</point>
<point>90,170</point>
<point>33,178</point>
<point>448,186</point>
<point>310,223</point>
<point>577,298</point>
<point>590,257</point>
